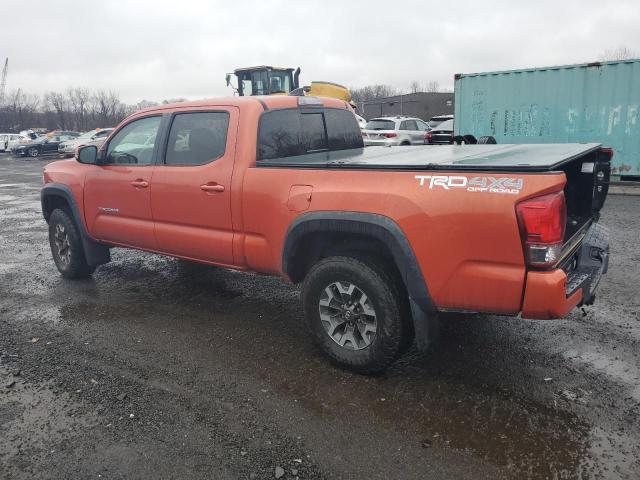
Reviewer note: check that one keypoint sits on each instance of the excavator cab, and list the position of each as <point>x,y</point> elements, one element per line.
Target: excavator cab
<point>265,80</point>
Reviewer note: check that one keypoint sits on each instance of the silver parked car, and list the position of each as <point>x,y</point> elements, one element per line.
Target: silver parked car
<point>387,131</point>
<point>68,148</point>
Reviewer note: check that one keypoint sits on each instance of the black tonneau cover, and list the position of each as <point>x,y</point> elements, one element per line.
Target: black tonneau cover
<point>507,157</point>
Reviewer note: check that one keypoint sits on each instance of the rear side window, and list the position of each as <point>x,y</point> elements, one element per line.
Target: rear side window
<point>197,138</point>
<point>292,132</point>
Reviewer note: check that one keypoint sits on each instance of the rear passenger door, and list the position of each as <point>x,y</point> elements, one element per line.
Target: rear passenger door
<point>191,188</point>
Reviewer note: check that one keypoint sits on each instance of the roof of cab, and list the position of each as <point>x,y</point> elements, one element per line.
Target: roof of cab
<point>270,102</point>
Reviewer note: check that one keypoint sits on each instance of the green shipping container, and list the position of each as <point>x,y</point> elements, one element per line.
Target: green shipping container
<point>595,102</point>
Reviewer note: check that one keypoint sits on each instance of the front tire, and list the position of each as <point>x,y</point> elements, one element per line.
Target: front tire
<point>33,152</point>
<point>354,312</point>
<point>66,246</point>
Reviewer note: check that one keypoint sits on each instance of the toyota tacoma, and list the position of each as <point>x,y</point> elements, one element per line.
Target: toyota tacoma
<point>380,239</point>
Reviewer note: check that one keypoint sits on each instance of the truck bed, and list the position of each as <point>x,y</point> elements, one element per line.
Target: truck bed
<point>507,157</point>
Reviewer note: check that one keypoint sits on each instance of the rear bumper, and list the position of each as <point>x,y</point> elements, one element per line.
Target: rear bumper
<point>553,294</point>
<point>368,142</point>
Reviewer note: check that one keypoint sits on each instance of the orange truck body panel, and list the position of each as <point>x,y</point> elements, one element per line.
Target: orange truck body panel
<point>468,247</point>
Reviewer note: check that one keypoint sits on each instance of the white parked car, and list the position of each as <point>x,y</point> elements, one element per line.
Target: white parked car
<point>388,131</point>
<point>68,148</point>
<point>4,141</point>
<point>361,121</point>
<point>15,140</point>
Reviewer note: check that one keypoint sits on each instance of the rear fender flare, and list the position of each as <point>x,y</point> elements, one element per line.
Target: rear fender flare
<point>383,229</point>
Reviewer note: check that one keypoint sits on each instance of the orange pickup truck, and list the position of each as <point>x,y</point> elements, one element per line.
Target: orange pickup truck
<point>381,239</point>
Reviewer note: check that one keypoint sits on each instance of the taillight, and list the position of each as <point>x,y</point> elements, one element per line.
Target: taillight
<point>428,136</point>
<point>390,135</point>
<point>608,152</point>
<point>542,222</point>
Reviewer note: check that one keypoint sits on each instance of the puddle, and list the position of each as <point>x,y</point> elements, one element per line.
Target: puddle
<point>617,369</point>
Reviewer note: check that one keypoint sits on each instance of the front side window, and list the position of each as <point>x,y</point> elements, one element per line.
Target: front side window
<point>197,138</point>
<point>133,144</point>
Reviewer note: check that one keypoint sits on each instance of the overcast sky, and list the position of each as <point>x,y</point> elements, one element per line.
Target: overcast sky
<point>183,48</point>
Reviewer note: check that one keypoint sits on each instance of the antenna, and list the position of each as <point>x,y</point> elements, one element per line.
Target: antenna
<point>3,81</point>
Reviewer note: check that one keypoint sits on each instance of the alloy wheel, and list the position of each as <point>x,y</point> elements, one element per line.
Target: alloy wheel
<point>347,315</point>
<point>63,248</point>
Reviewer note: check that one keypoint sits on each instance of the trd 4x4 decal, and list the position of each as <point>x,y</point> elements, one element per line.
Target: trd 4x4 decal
<point>503,185</point>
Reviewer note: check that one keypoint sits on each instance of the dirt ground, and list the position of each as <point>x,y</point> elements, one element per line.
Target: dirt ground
<point>159,369</point>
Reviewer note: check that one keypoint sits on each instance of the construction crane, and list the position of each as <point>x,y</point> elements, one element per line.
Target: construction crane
<point>3,82</point>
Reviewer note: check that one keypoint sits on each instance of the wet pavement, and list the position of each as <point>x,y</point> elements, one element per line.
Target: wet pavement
<point>155,368</point>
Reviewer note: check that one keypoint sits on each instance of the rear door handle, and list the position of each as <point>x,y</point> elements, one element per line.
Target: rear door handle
<point>139,183</point>
<point>215,187</point>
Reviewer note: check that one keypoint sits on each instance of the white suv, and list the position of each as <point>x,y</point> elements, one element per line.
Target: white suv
<point>387,131</point>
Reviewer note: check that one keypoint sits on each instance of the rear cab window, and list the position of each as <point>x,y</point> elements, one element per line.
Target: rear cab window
<point>298,132</point>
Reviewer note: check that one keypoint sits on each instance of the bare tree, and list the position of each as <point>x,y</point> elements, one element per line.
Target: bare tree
<point>433,86</point>
<point>57,104</point>
<point>372,92</point>
<point>77,108</point>
<point>19,110</point>
<point>173,100</point>
<point>78,100</point>
<point>618,53</point>
<point>107,109</point>
<point>414,86</point>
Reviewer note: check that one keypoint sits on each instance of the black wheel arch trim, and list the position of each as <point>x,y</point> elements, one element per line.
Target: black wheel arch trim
<point>95,253</point>
<point>368,224</point>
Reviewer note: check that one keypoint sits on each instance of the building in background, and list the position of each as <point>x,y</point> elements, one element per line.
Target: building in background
<point>421,105</point>
<point>590,102</point>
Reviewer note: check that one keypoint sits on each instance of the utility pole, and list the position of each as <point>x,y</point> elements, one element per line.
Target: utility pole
<point>3,81</point>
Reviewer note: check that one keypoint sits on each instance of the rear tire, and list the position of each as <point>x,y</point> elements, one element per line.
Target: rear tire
<point>33,152</point>
<point>66,246</point>
<point>374,333</point>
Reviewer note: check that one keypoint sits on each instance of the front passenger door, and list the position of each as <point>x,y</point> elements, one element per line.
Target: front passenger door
<point>116,194</point>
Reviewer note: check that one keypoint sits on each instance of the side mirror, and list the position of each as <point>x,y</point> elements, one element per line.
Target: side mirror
<point>228,79</point>
<point>88,155</point>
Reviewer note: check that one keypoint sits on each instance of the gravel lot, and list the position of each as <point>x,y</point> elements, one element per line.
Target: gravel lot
<point>158,369</point>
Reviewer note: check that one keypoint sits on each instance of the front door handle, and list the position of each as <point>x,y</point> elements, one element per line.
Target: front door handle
<point>139,183</point>
<point>215,187</point>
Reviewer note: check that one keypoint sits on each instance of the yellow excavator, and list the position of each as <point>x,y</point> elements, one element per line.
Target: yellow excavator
<point>268,80</point>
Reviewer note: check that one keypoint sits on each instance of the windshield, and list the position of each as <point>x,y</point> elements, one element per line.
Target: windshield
<point>377,124</point>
